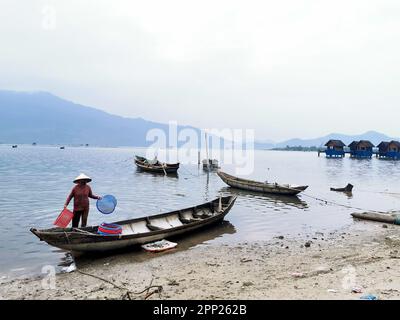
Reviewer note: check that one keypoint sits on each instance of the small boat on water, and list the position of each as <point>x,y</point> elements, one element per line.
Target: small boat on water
<point>210,164</point>
<point>156,166</point>
<point>264,187</point>
<point>140,230</point>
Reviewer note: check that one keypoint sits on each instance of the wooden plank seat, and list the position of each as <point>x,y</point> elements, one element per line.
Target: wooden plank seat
<point>185,219</point>
<point>152,227</point>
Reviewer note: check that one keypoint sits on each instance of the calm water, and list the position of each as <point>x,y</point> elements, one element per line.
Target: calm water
<point>34,182</point>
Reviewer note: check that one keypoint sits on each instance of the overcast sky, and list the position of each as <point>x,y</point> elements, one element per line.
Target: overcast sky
<point>287,68</point>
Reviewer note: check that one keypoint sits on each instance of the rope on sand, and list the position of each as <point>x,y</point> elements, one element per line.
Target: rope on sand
<point>340,204</point>
<point>127,295</point>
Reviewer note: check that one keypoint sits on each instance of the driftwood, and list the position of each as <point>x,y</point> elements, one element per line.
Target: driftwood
<point>379,217</point>
<point>348,188</point>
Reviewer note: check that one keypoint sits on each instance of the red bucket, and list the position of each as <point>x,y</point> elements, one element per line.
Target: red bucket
<point>64,218</point>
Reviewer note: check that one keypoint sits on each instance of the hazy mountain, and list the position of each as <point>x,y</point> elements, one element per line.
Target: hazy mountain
<point>373,136</point>
<point>264,144</point>
<point>46,119</point>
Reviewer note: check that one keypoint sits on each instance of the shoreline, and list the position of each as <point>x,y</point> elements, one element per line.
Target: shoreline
<point>363,257</point>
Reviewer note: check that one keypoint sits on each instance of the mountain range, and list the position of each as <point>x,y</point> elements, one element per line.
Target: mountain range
<point>44,118</point>
<point>41,117</point>
<point>373,136</point>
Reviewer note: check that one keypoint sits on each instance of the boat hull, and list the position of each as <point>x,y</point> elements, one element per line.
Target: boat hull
<point>87,240</point>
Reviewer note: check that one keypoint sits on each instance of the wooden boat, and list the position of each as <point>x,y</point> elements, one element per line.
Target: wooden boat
<point>140,230</point>
<point>156,166</point>
<point>379,217</point>
<point>250,185</point>
<point>210,164</point>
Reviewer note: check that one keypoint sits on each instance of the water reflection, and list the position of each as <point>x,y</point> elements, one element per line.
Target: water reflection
<point>348,194</point>
<point>334,165</point>
<point>292,201</point>
<point>155,174</point>
<point>36,180</point>
<point>185,242</point>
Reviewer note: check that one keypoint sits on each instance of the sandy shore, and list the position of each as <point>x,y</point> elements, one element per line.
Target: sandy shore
<point>364,257</point>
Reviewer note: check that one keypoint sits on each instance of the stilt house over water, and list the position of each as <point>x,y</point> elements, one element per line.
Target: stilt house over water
<point>335,149</point>
<point>389,150</point>
<point>362,149</point>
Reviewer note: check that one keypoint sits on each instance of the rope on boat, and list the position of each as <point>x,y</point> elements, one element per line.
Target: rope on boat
<point>127,295</point>
<point>340,204</point>
<point>164,165</point>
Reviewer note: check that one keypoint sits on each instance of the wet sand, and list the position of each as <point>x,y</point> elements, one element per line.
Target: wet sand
<point>364,258</point>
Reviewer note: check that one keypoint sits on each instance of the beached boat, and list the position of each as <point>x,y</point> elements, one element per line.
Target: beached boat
<point>140,230</point>
<point>156,166</point>
<point>250,185</point>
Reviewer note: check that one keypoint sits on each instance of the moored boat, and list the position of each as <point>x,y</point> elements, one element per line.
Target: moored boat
<point>156,166</point>
<point>263,187</point>
<point>140,230</point>
<point>210,164</point>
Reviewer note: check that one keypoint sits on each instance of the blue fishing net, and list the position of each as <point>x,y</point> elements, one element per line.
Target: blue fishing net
<point>107,204</point>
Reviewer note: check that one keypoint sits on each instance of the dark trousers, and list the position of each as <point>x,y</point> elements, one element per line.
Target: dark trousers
<point>77,217</point>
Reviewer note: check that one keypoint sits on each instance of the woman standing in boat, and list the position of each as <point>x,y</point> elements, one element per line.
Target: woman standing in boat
<point>81,194</point>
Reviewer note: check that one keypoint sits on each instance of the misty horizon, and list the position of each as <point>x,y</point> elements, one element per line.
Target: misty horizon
<point>286,69</point>
<point>25,115</point>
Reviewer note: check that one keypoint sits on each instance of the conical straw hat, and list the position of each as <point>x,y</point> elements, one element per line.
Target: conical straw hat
<point>82,176</point>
